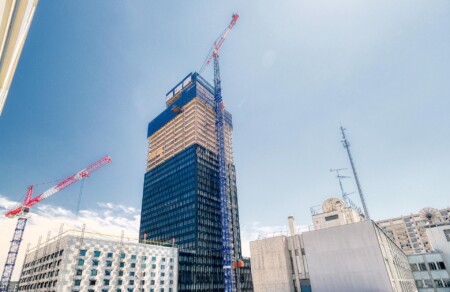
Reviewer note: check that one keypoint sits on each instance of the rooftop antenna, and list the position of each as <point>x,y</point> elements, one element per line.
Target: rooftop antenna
<point>346,145</point>
<point>340,177</point>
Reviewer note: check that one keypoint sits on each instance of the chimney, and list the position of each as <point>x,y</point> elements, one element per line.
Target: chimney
<point>292,227</point>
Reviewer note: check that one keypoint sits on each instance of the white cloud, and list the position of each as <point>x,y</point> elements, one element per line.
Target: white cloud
<point>107,219</point>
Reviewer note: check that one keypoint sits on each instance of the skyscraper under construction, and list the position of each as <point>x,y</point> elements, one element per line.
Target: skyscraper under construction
<point>181,201</point>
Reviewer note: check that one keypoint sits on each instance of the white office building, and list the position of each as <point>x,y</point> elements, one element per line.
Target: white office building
<point>430,272</point>
<point>78,263</point>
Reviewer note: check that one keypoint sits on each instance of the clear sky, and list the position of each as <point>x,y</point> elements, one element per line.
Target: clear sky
<point>93,74</point>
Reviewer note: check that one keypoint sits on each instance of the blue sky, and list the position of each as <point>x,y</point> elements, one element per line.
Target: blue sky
<point>93,74</point>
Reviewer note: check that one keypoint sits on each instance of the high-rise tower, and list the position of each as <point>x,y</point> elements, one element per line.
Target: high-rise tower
<point>181,200</point>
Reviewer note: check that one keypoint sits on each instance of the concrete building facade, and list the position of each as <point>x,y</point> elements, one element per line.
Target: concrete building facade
<point>439,236</point>
<point>334,213</point>
<point>356,257</point>
<point>77,263</point>
<point>15,21</point>
<point>430,271</point>
<point>409,232</point>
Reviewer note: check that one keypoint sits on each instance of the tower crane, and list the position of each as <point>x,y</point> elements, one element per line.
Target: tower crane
<point>23,211</point>
<point>219,110</point>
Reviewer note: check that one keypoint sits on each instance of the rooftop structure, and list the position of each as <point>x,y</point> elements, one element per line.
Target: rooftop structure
<point>82,261</point>
<point>409,232</point>
<point>334,212</point>
<point>15,21</point>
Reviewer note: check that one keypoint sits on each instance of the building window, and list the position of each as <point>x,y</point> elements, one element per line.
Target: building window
<point>92,282</point>
<point>153,259</point>
<point>133,256</point>
<point>144,258</point>
<point>446,282</point>
<point>131,282</point>
<point>447,234</point>
<point>120,273</point>
<point>432,266</point>
<point>106,282</point>
<point>441,265</point>
<point>107,272</point>
<point>332,217</point>
<point>119,282</point>
<point>82,252</point>
<point>93,272</point>
<point>131,274</point>
<point>109,255</point>
<point>422,267</point>
<point>95,263</point>
<point>438,283</point>
<point>77,282</point>
<point>79,272</point>
<point>96,253</point>
<point>108,263</point>
<point>122,264</point>
<point>80,262</point>
<point>153,266</point>
<point>122,255</point>
<point>133,265</point>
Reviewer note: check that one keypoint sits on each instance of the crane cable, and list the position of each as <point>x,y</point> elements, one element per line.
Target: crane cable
<point>79,197</point>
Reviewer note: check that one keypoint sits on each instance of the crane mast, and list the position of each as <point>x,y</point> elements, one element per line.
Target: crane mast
<point>346,145</point>
<point>22,213</point>
<point>220,140</point>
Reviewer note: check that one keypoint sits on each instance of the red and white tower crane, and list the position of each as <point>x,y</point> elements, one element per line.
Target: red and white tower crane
<point>22,214</point>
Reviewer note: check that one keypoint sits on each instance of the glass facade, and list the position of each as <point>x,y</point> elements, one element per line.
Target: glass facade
<point>181,203</point>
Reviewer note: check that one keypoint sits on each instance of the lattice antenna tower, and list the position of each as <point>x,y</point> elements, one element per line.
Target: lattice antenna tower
<point>346,145</point>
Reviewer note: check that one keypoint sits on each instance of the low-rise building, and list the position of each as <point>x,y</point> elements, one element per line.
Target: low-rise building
<point>278,263</point>
<point>439,236</point>
<point>430,272</point>
<point>344,253</point>
<point>356,257</point>
<point>77,263</point>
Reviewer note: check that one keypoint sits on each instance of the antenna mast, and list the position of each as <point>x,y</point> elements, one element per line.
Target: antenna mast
<point>340,177</point>
<point>346,145</point>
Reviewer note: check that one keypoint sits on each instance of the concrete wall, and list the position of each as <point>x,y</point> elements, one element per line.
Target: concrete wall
<point>271,267</point>
<point>439,241</point>
<point>346,258</point>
